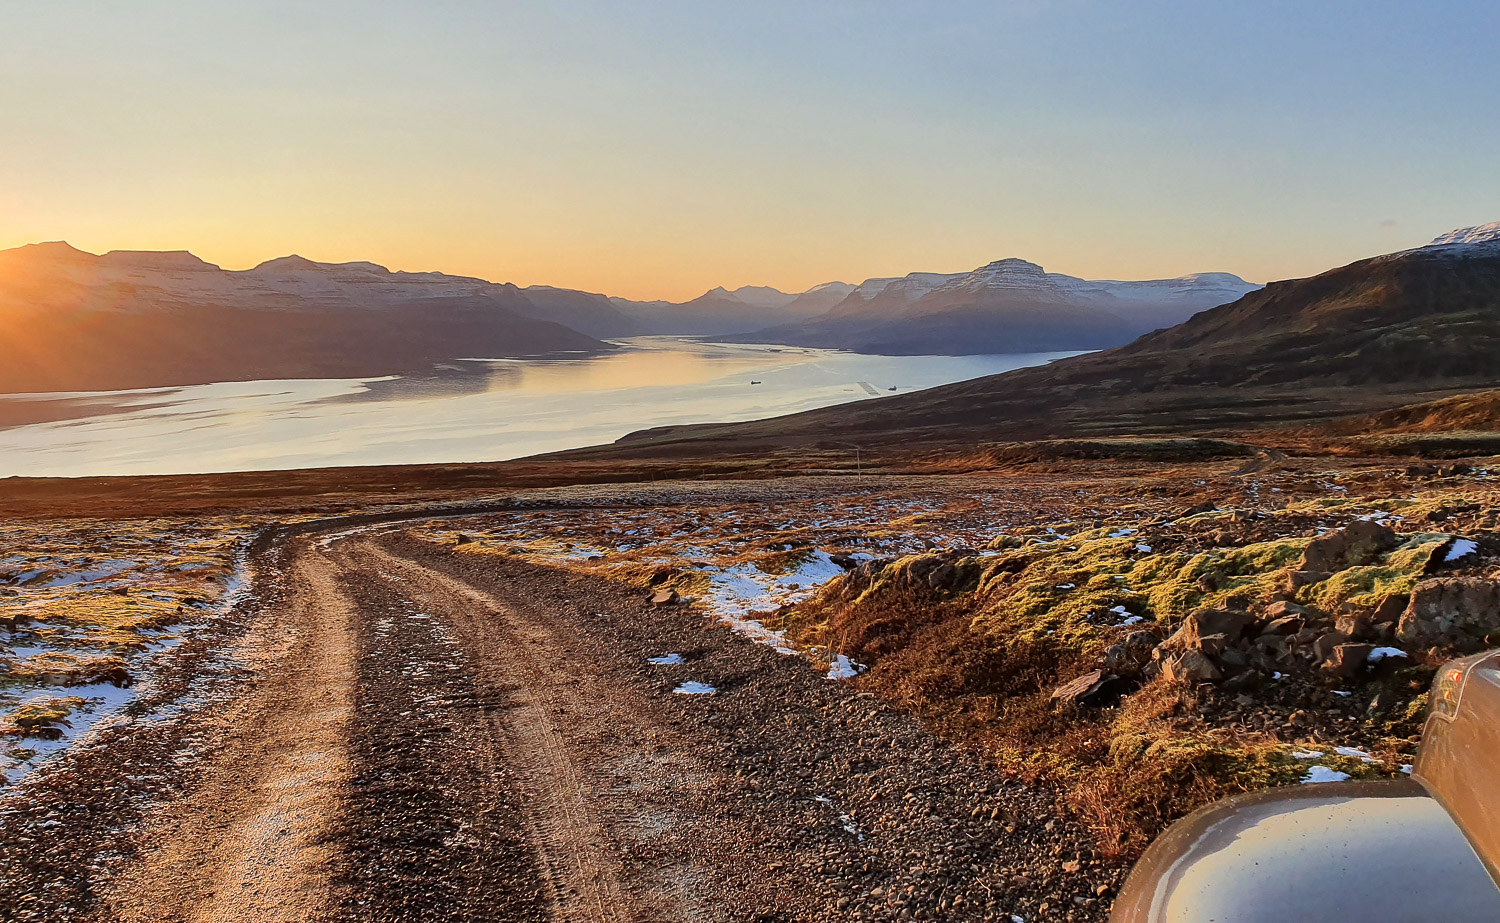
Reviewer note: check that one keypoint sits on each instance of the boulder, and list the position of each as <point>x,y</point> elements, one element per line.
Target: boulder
<point>1202,623</point>
<point>1274,645</point>
<point>1282,609</point>
<point>666,596</point>
<point>1324,646</point>
<point>1359,543</point>
<point>1086,689</point>
<point>1190,667</point>
<point>1230,622</point>
<point>1348,659</point>
<point>1129,656</point>
<point>1207,506</point>
<point>1390,608</point>
<point>1452,612</point>
<point>942,576</point>
<point>1358,625</point>
<point>1294,580</point>
<point>1286,625</point>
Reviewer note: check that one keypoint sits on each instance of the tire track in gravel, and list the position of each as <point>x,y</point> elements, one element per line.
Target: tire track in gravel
<point>588,768</point>
<point>251,844</point>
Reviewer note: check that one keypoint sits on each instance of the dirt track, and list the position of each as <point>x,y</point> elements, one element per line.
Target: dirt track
<point>426,736</point>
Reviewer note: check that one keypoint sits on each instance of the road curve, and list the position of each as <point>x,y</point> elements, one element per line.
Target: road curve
<point>417,734</point>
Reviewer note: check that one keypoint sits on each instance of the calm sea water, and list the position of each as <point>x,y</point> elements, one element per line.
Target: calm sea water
<point>475,410</point>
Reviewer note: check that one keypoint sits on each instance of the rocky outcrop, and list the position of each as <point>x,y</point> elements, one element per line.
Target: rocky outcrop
<point>1358,544</point>
<point>1461,613</point>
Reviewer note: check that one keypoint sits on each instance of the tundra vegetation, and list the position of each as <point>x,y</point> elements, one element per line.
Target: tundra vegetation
<point>1147,637</point>
<point>1142,636</point>
<point>86,606</point>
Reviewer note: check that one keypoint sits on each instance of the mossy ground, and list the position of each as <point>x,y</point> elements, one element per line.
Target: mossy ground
<point>84,602</point>
<point>980,658</point>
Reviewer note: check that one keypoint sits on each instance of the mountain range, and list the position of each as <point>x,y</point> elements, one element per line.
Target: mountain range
<point>1008,306</point>
<point>75,321</point>
<point>721,312</point>
<point>136,319</point>
<point>1376,334</point>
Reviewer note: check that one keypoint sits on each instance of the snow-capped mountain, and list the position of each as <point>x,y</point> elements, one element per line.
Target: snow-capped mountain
<point>1482,236</point>
<point>1010,305</point>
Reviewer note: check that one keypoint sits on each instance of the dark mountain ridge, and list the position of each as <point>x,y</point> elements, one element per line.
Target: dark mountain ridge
<point>73,321</point>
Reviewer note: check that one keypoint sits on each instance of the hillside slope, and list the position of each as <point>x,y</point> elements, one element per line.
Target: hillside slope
<point>1363,338</point>
<point>73,321</point>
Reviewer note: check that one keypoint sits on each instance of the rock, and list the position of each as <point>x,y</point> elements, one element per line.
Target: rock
<point>1348,659</point>
<point>1207,506</point>
<point>1233,661</point>
<point>1359,626</point>
<point>1275,645</point>
<point>116,675</point>
<point>1451,612</point>
<point>1390,608</point>
<point>1323,647</point>
<point>1282,609</point>
<point>1213,645</point>
<point>1286,625</point>
<point>1359,543</point>
<point>845,561</point>
<point>1228,622</point>
<point>1086,689</point>
<point>942,576</point>
<point>461,539</point>
<point>869,571</point>
<point>1294,580</point>
<point>666,596</point>
<point>1129,656</point>
<point>1190,667</point>
<point>1208,583</point>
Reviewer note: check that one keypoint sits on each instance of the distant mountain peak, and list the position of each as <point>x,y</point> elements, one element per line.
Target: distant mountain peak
<point>290,263</point>
<point>158,260</point>
<point>1486,235</point>
<point>295,263</point>
<point>1009,264</point>
<point>54,250</point>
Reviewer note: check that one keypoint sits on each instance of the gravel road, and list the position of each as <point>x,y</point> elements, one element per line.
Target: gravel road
<point>404,733</point>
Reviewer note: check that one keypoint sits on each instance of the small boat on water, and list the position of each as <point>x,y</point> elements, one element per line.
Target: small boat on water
<point>755,382</point>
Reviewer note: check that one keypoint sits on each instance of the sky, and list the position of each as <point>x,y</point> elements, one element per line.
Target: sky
<point>658,148</point>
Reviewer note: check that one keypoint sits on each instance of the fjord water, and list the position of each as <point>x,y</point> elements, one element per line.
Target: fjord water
<point>473,410</point>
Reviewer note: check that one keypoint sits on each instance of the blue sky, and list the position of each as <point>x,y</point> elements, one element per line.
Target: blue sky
<point>653,148</point>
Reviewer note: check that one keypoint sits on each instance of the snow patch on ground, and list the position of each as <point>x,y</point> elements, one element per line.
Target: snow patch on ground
<point>1461,548</point>
<point>1317,774</point>
<point>841,667</point>
<point>694,688</point>
<point>665,660</point>
<point>737,591</point>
